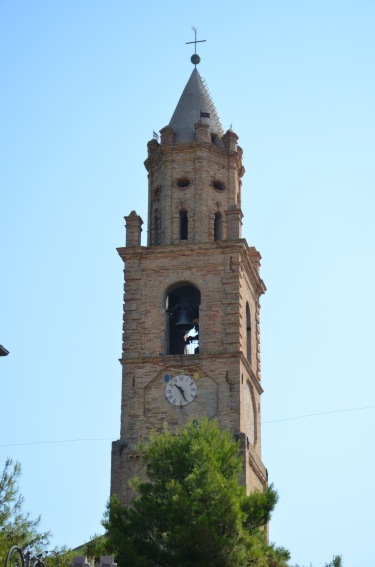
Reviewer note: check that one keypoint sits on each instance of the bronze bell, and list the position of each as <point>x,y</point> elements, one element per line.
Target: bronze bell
<point>184,322</point>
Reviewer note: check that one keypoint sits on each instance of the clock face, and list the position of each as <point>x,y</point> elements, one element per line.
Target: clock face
<point>181,390</point>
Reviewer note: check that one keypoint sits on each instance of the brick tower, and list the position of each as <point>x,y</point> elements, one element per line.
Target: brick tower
<point>191,315</point>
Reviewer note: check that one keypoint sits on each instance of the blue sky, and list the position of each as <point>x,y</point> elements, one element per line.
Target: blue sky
<point>84,84</point>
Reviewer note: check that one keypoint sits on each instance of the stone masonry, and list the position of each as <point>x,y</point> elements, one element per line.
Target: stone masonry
<point>194,245</point>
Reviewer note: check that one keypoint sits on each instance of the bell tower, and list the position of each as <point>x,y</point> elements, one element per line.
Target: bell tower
<point>191,305</point>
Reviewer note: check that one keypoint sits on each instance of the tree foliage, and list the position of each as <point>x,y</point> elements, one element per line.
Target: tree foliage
<point>97,545</point>
<point>336,562</point>
<point>60,557</point>
<point>191,510</point>
<point>16,526</point>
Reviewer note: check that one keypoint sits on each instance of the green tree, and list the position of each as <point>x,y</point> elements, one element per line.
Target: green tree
<point>336,562</point>
<point>97,546</point>
<point>60,557</point>
<point>191,510</point>
<point>16,526</point>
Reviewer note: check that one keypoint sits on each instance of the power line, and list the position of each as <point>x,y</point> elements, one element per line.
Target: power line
<point>315,414</point>
<point>55,441</point>
<point>113,438</point>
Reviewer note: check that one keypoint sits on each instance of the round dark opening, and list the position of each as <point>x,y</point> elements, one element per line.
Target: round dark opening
<point>183,182</point>
<point>218,185</point>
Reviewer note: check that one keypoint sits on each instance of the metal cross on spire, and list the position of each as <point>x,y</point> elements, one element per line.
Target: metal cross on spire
<point>195,59</point>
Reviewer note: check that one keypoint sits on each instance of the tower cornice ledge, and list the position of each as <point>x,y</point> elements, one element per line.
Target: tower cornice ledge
<point>192,360</point>
<point>167,150</point>
<point>250,257</point>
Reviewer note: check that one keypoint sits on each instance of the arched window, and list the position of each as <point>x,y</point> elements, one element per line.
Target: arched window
<point>218,227</point>
<point>248,333</point>
<point>183,225</point>
<point>182,325</point>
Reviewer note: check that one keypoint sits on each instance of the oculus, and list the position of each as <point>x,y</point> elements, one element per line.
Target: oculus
<point>183,182</point>
<point>218,185</point>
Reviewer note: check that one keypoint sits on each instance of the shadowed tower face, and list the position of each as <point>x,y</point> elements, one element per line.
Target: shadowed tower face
<point>191,312</point>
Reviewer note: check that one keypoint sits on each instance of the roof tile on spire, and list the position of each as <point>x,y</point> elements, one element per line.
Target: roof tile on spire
<point>194,100</point>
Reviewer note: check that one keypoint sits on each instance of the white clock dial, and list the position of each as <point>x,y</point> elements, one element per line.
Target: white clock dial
<point>181,390</point>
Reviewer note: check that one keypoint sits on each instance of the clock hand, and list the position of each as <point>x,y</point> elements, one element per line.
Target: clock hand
<point>182,392</point>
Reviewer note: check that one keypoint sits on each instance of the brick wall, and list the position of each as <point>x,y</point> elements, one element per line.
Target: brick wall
<point>202,179</point>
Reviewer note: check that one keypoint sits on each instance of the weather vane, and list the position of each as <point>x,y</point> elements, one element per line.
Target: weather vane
<point>195,59</point>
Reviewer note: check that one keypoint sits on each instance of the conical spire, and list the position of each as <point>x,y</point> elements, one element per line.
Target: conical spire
<point>195,104</point>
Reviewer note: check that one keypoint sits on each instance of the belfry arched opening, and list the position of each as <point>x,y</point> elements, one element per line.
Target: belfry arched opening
<point>182,320</point>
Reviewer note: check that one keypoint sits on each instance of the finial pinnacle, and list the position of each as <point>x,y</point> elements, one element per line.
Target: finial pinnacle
<point>195,59</point>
